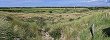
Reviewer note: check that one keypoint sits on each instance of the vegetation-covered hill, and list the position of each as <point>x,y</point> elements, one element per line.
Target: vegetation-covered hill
<point>71,24</point>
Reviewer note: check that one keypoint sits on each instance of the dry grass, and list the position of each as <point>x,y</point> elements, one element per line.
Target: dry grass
<point>74,26</point>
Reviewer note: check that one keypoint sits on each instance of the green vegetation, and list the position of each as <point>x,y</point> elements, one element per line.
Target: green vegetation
<point>52,10</point>
<point>61,24</point>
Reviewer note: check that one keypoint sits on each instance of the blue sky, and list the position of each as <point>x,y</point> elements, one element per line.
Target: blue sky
<point>45,3</point>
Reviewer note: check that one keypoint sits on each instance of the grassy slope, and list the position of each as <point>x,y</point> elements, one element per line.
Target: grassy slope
<point>73,25</point>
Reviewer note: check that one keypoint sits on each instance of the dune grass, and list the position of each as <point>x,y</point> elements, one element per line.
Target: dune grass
<point>74,26</point>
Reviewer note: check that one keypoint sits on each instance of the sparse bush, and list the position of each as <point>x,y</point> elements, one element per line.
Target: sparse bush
<point>50,12</point>
<point>71,19</point>
<point>56,34</point>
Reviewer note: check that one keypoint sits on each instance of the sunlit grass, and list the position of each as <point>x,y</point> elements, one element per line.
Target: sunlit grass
<point>26,26</point>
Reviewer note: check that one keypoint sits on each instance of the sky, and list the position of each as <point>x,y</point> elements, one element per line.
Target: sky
<point>53,3</point>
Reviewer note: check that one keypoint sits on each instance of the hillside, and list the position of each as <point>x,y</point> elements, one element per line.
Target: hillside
<point>72,24</point>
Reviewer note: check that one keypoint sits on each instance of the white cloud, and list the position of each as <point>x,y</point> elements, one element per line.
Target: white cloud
<point>91,1</point>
